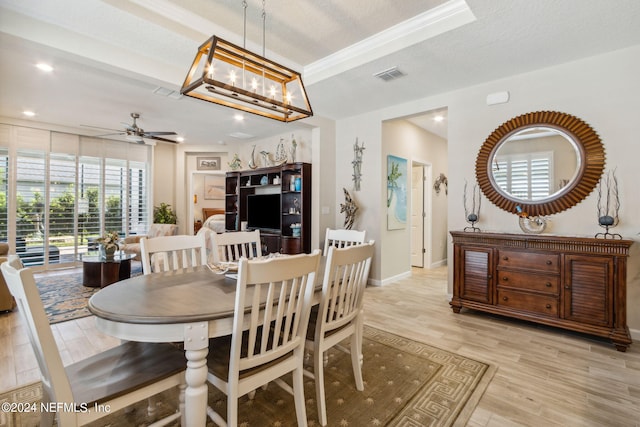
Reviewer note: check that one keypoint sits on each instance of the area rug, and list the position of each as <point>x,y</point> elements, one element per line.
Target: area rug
<point>407,383</point>
<point>63,295</point>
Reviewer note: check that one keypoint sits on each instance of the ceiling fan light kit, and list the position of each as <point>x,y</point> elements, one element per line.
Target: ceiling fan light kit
<point>230,75</point>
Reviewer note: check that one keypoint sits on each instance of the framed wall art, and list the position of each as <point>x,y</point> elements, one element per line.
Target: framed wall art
<point>396,193</point>
<point>214,187</point>
<point>208,163</point>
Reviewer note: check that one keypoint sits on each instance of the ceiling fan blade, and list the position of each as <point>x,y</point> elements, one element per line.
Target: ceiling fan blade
<point>157,138</point>
<point>109,134</point>
<point>98,127</point>
<point>159,133</point>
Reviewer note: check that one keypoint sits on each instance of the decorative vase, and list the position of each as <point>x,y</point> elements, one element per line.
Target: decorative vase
<point>298,183</point>
<point>108,253</point>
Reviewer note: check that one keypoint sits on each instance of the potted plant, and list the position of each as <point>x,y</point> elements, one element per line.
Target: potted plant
<point>163,214</point>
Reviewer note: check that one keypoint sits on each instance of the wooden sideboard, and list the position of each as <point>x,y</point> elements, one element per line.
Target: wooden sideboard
<point>575,283</point>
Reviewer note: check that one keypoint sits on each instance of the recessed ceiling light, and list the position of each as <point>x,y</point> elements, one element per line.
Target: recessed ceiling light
<point>28,113</point>
<point>438,118</point>
<point>238,117</point>
<point>44,67</point>
<point>180,139</point>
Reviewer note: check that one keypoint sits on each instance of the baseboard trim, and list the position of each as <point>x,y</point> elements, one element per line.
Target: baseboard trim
<point>376,282</point>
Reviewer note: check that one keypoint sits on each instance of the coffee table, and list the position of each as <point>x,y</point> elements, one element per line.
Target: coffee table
<point>100,272</point>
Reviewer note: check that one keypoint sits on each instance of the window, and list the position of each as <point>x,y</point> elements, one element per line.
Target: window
<point>4,190</point>
<point>68,191</point>
<point>525,176</point>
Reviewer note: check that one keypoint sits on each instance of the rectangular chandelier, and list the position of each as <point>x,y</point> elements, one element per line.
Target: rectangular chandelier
<point>229,75</point>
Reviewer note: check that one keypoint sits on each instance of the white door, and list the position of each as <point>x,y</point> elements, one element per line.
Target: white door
<point>417,215</point>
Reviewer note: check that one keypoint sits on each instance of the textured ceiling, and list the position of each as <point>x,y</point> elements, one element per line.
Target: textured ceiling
<point>110,56</point>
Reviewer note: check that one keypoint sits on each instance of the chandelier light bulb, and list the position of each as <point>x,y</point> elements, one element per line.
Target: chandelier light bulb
<point>232,77</point>
<point>254,84</point>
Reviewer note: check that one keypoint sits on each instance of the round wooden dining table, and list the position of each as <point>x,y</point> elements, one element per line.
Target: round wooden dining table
<point>187,305</point>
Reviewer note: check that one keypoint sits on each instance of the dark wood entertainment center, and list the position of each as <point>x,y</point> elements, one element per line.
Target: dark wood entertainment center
<point>575,283</point>
<point>295,204</point>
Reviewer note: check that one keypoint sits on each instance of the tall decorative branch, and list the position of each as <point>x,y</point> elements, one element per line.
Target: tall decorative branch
<point>357,164</point>
<point>474,215</point>
<point>608,204</point>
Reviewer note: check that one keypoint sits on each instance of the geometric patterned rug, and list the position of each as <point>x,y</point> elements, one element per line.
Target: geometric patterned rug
<point>63,295</point>
<point>407,383</point>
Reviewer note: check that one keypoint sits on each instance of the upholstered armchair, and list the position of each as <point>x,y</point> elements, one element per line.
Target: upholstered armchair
<point>6,299</point>
<point>131,244</point>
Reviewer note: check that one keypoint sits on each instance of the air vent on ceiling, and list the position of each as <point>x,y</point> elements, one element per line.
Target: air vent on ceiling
<point>240,135</point>
<point>389,74</point>
<point>163,91</point>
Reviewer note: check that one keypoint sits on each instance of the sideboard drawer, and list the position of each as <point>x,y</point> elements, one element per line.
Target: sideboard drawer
<point>534,282</point>
<point>547,305</point>
<point>548,262</point>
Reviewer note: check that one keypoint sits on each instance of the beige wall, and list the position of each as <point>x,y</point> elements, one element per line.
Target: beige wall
<point>404,139</point>
<point>602,90</point>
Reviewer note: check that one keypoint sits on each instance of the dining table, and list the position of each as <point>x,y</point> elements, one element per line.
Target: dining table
<point>187,305</point>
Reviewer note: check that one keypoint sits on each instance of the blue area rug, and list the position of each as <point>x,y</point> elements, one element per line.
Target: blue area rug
<point>63,295</point>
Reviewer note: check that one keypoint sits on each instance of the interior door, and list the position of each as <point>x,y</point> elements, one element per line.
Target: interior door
<point>417,216</point>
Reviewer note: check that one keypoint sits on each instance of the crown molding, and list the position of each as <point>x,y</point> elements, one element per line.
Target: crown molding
<point>448,16</point>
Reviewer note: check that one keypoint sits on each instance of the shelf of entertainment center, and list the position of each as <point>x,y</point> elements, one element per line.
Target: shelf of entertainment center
<point>291,184</point>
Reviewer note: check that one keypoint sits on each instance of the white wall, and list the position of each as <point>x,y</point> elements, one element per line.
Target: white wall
<point>603,91</point>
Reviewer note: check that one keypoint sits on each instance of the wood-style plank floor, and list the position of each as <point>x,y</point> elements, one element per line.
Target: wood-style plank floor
<point>545,376</point>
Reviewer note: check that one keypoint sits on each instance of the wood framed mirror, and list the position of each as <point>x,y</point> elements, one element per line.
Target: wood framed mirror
<point>542,163</point>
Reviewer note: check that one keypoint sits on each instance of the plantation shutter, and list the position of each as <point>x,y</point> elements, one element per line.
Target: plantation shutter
<point>525,176</point>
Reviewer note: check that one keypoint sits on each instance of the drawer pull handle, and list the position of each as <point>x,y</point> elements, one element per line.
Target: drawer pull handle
<point>505,298</point>
<point>567,287</point>
<point>549,262</point>
<point>505,278</point>
<point>548,284</point>
<point>506,258</point>
<point>548,305</point>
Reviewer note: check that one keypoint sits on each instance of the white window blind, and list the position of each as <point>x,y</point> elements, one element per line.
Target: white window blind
<point>31,206</point>
<point>5,204</point>
<point>525,176</point>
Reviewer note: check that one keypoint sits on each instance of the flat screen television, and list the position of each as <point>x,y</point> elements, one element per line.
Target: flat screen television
<point>263,211</point>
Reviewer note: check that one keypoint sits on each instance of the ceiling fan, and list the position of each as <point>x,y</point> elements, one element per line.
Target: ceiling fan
<point>134,133</point>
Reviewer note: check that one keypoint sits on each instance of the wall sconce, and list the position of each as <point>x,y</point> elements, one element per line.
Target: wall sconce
<point>195,199</point>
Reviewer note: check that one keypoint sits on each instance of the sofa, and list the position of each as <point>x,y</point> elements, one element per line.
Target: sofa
<point>7,303</point>
<point>131,244</point>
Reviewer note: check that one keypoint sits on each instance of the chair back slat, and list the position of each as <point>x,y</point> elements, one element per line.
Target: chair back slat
<point>342,239</point>
<point>55,383</point>
<point>345,279</point>
<point>167,253</point>
<point>234,245</point>
<point>275,295</point>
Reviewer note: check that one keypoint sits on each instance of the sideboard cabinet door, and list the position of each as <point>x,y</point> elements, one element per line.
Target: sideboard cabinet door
<point>473,271</point>
<point>588,289</point>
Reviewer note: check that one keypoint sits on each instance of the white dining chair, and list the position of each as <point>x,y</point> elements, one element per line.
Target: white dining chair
<point>339,315</point>
<point>167,253</point>
<point>272,306</point>
<point>342,238</point>
<point>114,379</point>
<point>233,245</point>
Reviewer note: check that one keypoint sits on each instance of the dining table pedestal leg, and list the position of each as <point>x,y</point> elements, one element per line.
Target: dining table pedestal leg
<point>196,347</point>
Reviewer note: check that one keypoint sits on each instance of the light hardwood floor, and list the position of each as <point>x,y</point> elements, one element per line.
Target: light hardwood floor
<point>545,376</point>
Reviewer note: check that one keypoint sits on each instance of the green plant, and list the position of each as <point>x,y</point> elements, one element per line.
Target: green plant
<point>163,214</point>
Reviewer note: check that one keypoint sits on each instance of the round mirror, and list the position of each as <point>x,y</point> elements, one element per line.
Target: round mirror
<point>540,163</point>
